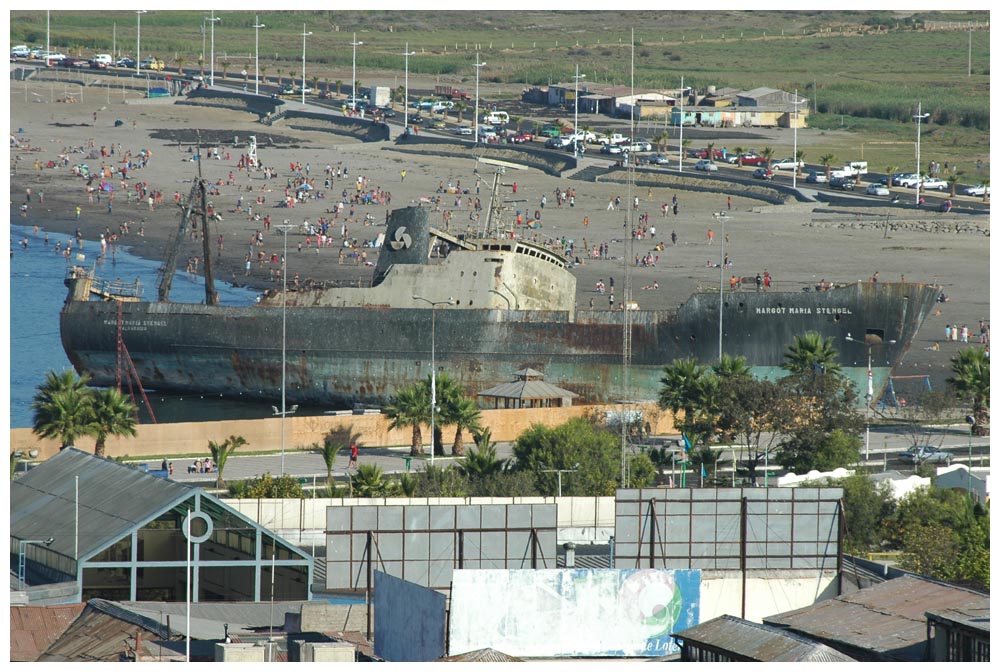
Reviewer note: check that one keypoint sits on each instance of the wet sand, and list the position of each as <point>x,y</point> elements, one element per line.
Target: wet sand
<point>798,245</point>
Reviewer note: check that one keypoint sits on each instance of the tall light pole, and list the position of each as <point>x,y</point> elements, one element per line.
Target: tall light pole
<point>795,140</point>
<point>213,19</point>
<point>477,65</point>
<point>406,85</point>
<point>722,276</point>
<point>21,561</point>
<point>680,140</point>
<point>284,228</point>
<point>138,32</point>
<point>919,117</point>
<point>354,69</point>
<point>576,108</point>
<point>434,305</point>
<point>257,25</point>
<point>305,34</point>
<point>870,394</point>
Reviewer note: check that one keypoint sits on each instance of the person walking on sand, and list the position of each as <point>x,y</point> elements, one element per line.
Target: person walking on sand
<point>711,236</point>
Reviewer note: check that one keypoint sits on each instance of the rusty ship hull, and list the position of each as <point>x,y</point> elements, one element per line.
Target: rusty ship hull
<point>337,356</point>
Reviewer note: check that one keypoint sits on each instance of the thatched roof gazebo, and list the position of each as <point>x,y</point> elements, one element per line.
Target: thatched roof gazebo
<point>528,390</point>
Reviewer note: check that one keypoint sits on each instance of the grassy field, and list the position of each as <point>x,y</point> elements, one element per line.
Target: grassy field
<point>862,71</point>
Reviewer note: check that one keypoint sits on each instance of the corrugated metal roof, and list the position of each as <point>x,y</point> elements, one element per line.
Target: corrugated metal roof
<point>33,629</point>
<point>887,620</point>
<point>481,656</point>
<point>207,618</point>
<point>975,616</point>
<point>114,498</point>
<point>97,635</point>
<point>753,641</point>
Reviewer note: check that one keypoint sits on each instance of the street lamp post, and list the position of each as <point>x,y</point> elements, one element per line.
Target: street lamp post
<point>284,228</point>
<point>576,109</point>
<point>680,139</point>
<point>213,19</point>
<point>21,561</point>
<point>870,394</point>
<point>919,117</point>
<point>795,141</point>
<point>434,305</point>
<point>257,25</point>
<point>305,34</point>
<point>354,69</point>
<point>138,32</point>
<point>406,86</point>
<point>477,65</point>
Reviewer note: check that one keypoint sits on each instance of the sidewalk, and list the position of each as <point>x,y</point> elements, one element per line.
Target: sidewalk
<point>309,465</point>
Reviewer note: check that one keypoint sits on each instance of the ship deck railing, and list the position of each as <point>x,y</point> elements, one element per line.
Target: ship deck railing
<point>107,289</point>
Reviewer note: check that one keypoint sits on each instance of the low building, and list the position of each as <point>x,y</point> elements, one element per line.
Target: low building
<point>109,530</point>
<point>975,481</point>
<point>961,634</point>
<point>886,622</point>
<point>730,639</point>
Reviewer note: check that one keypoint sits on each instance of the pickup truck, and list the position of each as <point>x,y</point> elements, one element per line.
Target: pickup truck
<point>925,455</point>
<point>613,139</point>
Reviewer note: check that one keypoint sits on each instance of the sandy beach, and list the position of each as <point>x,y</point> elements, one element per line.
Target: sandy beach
<point>798,244</point>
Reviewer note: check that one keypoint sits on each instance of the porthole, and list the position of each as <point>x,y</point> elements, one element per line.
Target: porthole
<point>197,527</point>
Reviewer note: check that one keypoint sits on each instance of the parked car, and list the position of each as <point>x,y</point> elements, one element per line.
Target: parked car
<point>786,164</point>
<point>550,131</point>
<point>125,62</point>
<point>658,159</point>
<point>934,183</point>
<point>387,112</point>
<point>417,119</point>
<point>754,160</point>
<point>53,57</point>
<point>73,63</point>
<point>877,190</point>
<point>439,124</point>
<point>612,149</point>
<point>151,64</point>
<point>923,454</point>
<point>703,154</point>
<point>640,145</point>
<point>908,180</point>
<point>763,174</point>
<point>842,183</point>
<point>816,177</point>
<point>21,51</point>
<point>559,143</point>
<point>463,130</point>
<point>977,190</point>
<point>706,165</point>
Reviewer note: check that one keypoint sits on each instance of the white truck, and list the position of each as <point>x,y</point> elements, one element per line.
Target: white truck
<point>613,139</point>
<point>380,96</point>
<point>852,169</point>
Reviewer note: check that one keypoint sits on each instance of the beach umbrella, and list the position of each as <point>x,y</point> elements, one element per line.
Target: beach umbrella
<point>306,187</point>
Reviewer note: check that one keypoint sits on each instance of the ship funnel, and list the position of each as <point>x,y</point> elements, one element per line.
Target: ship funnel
<point>407,240</point>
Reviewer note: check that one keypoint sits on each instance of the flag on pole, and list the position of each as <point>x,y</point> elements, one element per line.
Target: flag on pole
<point>703,471</point>
<point>871,391</point>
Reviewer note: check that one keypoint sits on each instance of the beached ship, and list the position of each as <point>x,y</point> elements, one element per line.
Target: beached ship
<point>492,304</point>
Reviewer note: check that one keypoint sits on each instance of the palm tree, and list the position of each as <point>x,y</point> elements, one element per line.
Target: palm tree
<point>731,367</point>
<point>768,154</point>
<point>739,155</point>
<point>326,85</point>
<point>708,150</point>
<point>460,108</point>
<point>340,84</point>
<point>953,183</point>
<point>263,75</point>
<point>686,146</point>
<point>201,65</point>
<point>280,72</point>
<point>113,415</point>
<point>971,367</point>
<point>180,61</point>
<point>221,452</point>
<point>226,64</point>
<point>329,450</point>
<point>464,414</point>
<point>661,141</point>
<point>826,161</point>
<point>517,123</point>
<point>409,408</point>
<point>62,407</point>
<point>800,157</point>
<point>482,460</point>
<point>369,481</point>
<point>890,170</point>
<point>986,190</point>
<point>811,352</point>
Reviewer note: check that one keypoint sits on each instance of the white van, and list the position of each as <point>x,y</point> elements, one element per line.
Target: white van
<point>20,51</point>
<point>104,60</point>
<point>496,118</point>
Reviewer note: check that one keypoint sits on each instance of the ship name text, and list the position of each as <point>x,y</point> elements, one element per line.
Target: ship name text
<point>803,310</point>
<point>136,325</point>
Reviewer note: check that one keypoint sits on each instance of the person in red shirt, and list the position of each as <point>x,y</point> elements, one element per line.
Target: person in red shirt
<point>354,456</point>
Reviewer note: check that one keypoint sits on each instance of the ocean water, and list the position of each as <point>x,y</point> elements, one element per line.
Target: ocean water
<point>37,293</point>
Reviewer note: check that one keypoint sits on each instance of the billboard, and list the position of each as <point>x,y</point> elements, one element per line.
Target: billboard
<point>572,612</point>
